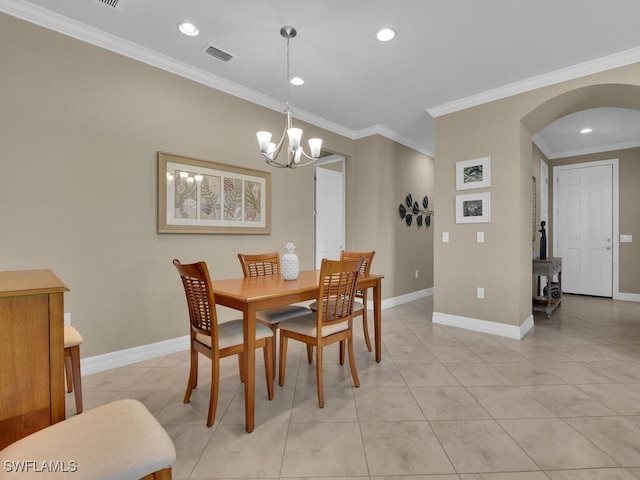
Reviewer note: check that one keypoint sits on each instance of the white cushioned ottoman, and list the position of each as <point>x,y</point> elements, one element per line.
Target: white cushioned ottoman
<point>120,440</point>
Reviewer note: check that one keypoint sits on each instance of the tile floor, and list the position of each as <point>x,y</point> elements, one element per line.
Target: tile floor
<point>444,404</point>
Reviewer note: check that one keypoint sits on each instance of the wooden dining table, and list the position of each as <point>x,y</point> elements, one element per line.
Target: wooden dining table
<point>251,294</point>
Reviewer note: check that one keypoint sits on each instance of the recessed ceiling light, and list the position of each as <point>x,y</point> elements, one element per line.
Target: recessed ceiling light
<point>188,29</point>
<point>586,130</point>
<point>386,34</point>
<point>297,81</point>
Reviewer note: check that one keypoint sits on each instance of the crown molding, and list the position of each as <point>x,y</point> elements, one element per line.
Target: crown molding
<point>597,149</point>
<point>615,60</point>
<point>392,135</point>
<point>552,155</point>
<point>79,31</point>
<point>84,33</point>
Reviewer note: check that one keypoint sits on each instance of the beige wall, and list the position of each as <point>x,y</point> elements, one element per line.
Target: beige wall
<point>462,265</point>
<point>80,128</point>
<point>502,129</point>
<point>413,245</point>
<point>629,214</point>
<point>536,157</point>
<point>387,172</point>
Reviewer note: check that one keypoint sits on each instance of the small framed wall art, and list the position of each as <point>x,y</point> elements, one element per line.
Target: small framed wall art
<point>473,208</point>
<point>474,173</point>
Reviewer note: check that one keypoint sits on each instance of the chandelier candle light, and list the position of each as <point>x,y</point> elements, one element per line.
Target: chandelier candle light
<point>270,151</point>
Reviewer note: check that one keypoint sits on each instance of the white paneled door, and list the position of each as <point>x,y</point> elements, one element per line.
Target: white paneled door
<point>330,210</point>
<point>584,229</point>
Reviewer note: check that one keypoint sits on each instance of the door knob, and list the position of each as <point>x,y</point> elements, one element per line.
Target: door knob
<point>608,247</point>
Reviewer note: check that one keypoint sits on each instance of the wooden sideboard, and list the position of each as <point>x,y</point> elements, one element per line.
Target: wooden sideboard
<point>31,352</point>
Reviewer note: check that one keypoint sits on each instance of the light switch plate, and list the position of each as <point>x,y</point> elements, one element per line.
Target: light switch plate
<point>480,237</point>
<point>445,237</point>
<point>626,238</point>
<point>480,292</point>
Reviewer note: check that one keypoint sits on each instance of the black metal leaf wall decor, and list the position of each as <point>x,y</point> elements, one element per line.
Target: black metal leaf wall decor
<point>422,214</point>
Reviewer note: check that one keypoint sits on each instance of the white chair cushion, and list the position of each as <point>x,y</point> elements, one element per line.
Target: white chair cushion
<point>230,334</point>
<point>307,325</point>
<point>279,314</point>
<point>357,307</point>
<point>119,440</point>
<point>71,337</point>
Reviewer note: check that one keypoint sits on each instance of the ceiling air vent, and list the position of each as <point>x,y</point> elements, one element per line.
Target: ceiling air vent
<point>217,53</point>
<point>110,3</point>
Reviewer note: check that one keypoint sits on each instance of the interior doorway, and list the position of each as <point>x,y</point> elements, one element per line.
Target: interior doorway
<point>600,95</point>
<point>585,226</point>
<point>329,208</point>
<point>544,192</point>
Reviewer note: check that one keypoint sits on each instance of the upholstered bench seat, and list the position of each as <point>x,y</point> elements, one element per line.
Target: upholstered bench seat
<point>120,440</point>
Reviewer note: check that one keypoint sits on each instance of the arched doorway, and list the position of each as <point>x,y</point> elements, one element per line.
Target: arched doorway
<point>597,96</point>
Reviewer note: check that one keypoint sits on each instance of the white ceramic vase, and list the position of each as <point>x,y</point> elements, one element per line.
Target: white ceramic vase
<point>289,262</point>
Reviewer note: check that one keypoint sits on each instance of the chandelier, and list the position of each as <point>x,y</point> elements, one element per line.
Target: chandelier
<point>294,151</point>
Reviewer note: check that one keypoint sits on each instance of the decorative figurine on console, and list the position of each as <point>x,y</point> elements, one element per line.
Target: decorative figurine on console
<point>543,241</point>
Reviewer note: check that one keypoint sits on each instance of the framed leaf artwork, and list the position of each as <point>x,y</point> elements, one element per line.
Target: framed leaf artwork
<point>198,196</point>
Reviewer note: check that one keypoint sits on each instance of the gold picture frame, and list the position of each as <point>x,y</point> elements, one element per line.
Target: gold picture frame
<point>199,196</point>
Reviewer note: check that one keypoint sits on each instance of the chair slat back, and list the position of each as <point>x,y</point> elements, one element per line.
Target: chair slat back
<point>366,264</point>
<point>260,264</point>
<point>200,300</point>
<point>337,289</point>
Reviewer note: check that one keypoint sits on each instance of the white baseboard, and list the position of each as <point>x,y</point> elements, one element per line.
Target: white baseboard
<point>484,326</point>
<point>121,358</point>
<point>629,297</point>
<point>406,298</point>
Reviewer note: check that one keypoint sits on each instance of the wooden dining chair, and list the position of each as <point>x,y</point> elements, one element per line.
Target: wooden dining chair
<point>72,342</point>
<point>331,323</point>
<point>214,340</point>
<point>359,307</point>
<point>262,264</point>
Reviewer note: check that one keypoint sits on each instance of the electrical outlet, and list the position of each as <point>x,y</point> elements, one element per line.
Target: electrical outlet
<point>416,273</point>
<point>67,319</point>
<point>480,292</point>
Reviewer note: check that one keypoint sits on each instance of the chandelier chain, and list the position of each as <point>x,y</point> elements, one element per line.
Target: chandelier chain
<point>288,79</point>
